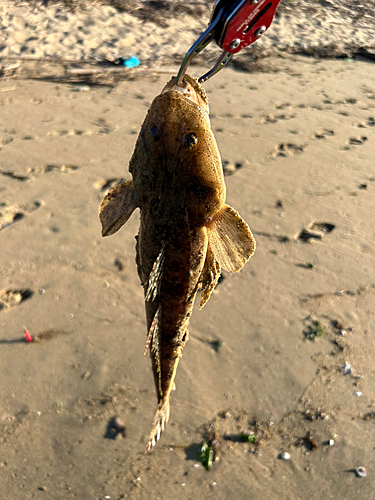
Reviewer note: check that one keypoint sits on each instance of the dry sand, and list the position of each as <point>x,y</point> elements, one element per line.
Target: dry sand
<point>298,146</point>
<point>33,30</point>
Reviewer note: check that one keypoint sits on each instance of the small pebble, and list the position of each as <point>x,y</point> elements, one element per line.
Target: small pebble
<point>346,368</point>
<point>118,425</point>
<point>195,466</point>
<point>284,455</point>
<point>361,472</point>
<point>331,442</point>
<point>357,393</point>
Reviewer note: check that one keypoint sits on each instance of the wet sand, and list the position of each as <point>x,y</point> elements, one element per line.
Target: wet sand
<point>264,355</point>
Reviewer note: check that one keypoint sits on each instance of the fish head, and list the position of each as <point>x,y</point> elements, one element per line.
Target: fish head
<point>192,91</point>
<point>176,160</point>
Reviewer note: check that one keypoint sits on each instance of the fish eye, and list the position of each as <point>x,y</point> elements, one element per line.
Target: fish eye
<point>154,131</point>
<point>190,140</point>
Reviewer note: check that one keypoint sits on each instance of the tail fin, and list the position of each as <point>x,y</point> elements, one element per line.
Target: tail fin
<point>160,420</point>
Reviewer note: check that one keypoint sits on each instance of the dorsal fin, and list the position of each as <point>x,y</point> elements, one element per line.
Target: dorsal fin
<point>231,240</point>
<point>117,207</point>
<point>153,339</point>
<point>154,280</point>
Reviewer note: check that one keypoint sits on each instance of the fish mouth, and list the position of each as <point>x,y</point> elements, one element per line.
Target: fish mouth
<point>192,92</point>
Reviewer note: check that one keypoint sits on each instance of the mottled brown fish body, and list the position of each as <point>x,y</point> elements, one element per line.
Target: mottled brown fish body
<point>176,139</point>
<point>184,258</point>
<point>187,232</point>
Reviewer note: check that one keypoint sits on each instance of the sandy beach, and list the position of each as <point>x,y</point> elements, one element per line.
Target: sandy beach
<point>283,351</point>
<point>161,35</point>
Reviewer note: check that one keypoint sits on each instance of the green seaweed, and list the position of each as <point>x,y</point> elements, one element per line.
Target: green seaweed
<point>207,455</point>
<point>247,437</point>
<point>314,330</point>
<point>216,344</point>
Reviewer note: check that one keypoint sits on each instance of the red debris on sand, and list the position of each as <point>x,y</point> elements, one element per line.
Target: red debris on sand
<point>28,337</point>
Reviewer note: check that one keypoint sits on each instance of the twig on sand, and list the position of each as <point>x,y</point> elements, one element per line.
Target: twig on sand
<point>96,71</point>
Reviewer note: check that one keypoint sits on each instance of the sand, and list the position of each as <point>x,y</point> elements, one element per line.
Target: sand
<point>297,142</point>
<point>33,30</point>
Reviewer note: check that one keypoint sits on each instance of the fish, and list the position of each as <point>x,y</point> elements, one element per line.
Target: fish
<point>187,233</point>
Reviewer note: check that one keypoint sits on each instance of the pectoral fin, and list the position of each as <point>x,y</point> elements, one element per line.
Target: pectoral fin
<point>231,240</point>
<point>209,277</point>
<point>117,207</point>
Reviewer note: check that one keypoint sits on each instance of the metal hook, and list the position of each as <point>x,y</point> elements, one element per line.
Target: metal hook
<point>196,48</point>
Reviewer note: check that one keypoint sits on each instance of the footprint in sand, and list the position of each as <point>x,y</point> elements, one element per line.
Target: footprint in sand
<point>39,169</point>
<point>370,122</point>
<point>6,141</point>
<point>283,105</point>
<point>231,168</point>
<point>73,132</point>
<point>13,175</point>
<point>287,149</point>
<point>13,213</point>
<point>323,134</point>
<point>357,141</point>
<point>314,231</point>
<point>275,118</point>
<point>105,185</point>
<point>104,127</point>
<point>43,169</point>
<point>10,298</point>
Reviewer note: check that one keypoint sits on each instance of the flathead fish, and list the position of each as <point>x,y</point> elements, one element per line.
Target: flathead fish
<point>187,233</point>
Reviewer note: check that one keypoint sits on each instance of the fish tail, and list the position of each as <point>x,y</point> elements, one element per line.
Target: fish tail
<point>160,420</point>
